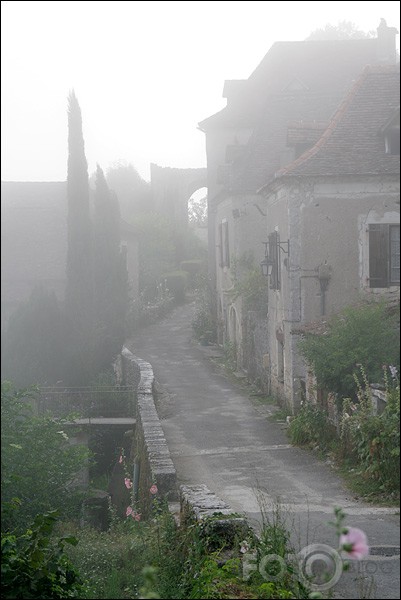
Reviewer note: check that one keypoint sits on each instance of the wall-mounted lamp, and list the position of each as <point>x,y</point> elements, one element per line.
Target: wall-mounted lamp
<point>280,244</point>
<point>267,263</point>
<point>271,264</point>
<point>272,255</point>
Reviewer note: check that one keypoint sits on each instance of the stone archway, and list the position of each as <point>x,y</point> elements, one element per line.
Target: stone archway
<point>172,188</point>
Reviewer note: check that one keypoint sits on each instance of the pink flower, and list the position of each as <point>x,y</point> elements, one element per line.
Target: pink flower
<point>128,512</point>
<point>128,483</point>
<point>137,516</point>
<point>153,489</point>
<point>120,460</point>
<point>355,543</point>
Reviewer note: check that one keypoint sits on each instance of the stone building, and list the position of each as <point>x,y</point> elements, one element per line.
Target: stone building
<point>33,241</point>
<point>172,188</point>
<point>333,223</point>
<point>270,120</point>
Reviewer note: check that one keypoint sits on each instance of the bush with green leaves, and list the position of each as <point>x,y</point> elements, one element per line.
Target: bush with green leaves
<point>366,335</point>
<point>204,322</point>
<point>35,565</point>
<point>366,441</point>
<point>176,282</point>
<point>38,462</point>
<point>312,427</point>
<point>371,441</point>
<point>163,245</point>
<point>250,284</point>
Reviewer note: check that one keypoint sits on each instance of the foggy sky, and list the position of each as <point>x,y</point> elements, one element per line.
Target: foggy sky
<point>145,74</point>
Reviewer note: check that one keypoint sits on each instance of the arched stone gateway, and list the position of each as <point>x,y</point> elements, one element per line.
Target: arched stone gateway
<point>172,188</point>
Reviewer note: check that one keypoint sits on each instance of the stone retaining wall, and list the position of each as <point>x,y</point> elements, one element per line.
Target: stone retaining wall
<point>218,524</point>
<point>150,449</point>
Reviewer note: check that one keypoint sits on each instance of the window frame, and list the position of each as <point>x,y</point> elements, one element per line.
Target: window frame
<point>382,255</point>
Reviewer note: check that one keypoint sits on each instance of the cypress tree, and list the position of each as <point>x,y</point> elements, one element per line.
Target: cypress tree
<point>110,272</point>
<point>79,288</point>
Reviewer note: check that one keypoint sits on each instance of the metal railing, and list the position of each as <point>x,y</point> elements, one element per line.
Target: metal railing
<point>87,402</point>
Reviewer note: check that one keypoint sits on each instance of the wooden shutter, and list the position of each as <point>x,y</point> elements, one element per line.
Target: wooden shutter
<point>378,255</point>
<point>394,270</point>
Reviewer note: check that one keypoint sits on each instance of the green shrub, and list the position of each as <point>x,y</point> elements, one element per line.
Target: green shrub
<point>372,441</point>
<point>367,335</point>
<point>249,283</point>
<point>176,282</point>
<point>33,565</point>
<point>38,464</point>
<point>193,267</point>
<point>312,427</point>
<point>204,322</point>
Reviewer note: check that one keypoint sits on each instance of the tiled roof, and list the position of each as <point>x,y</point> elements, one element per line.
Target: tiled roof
<point>315,65</point>
<point>296,81</point>
<point>305,132</point>
<point>353,143</point>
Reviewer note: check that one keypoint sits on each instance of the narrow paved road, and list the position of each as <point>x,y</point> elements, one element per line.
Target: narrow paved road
<point>220,437</point>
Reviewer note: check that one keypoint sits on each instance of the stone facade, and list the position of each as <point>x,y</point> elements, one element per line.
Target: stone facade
<point>325,205</point>
<point>217,523</point>
<point>271,120</point>
<point>172,188</point>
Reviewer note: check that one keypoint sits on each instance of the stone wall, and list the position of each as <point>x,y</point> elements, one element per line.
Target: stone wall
<point>217,523</point>
<point>150,450</point>
<point>172,188</point>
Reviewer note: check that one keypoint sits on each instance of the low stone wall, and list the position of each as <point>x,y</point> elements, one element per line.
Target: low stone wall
<point>218,524</point>
<point>150,448</point>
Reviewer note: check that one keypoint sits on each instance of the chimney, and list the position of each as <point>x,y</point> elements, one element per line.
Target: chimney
<point>386,52</point>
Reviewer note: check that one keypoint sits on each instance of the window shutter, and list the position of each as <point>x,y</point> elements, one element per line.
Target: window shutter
<point>394,254</point>
<point>378,255</point>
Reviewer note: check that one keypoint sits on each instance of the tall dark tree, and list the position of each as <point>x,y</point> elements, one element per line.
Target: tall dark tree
<point>133,192</point>
<point>111,278</point>
<point>79,290</point>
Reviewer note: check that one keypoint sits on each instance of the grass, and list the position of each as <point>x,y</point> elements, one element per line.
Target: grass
<point>365,488</point>
<point>263,399</point>
<point>279,415</point>
<point>109,563</point>
<point>157,559</point>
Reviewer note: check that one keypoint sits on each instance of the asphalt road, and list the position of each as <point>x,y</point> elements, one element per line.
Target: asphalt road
<point>220,436</point>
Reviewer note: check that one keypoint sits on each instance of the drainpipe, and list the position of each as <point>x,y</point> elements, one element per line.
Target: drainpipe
<point>324,275</point>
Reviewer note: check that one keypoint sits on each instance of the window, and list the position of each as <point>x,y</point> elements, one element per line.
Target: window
<point>384,255</point>
<point>392,141</point>
<point>391,133</point>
